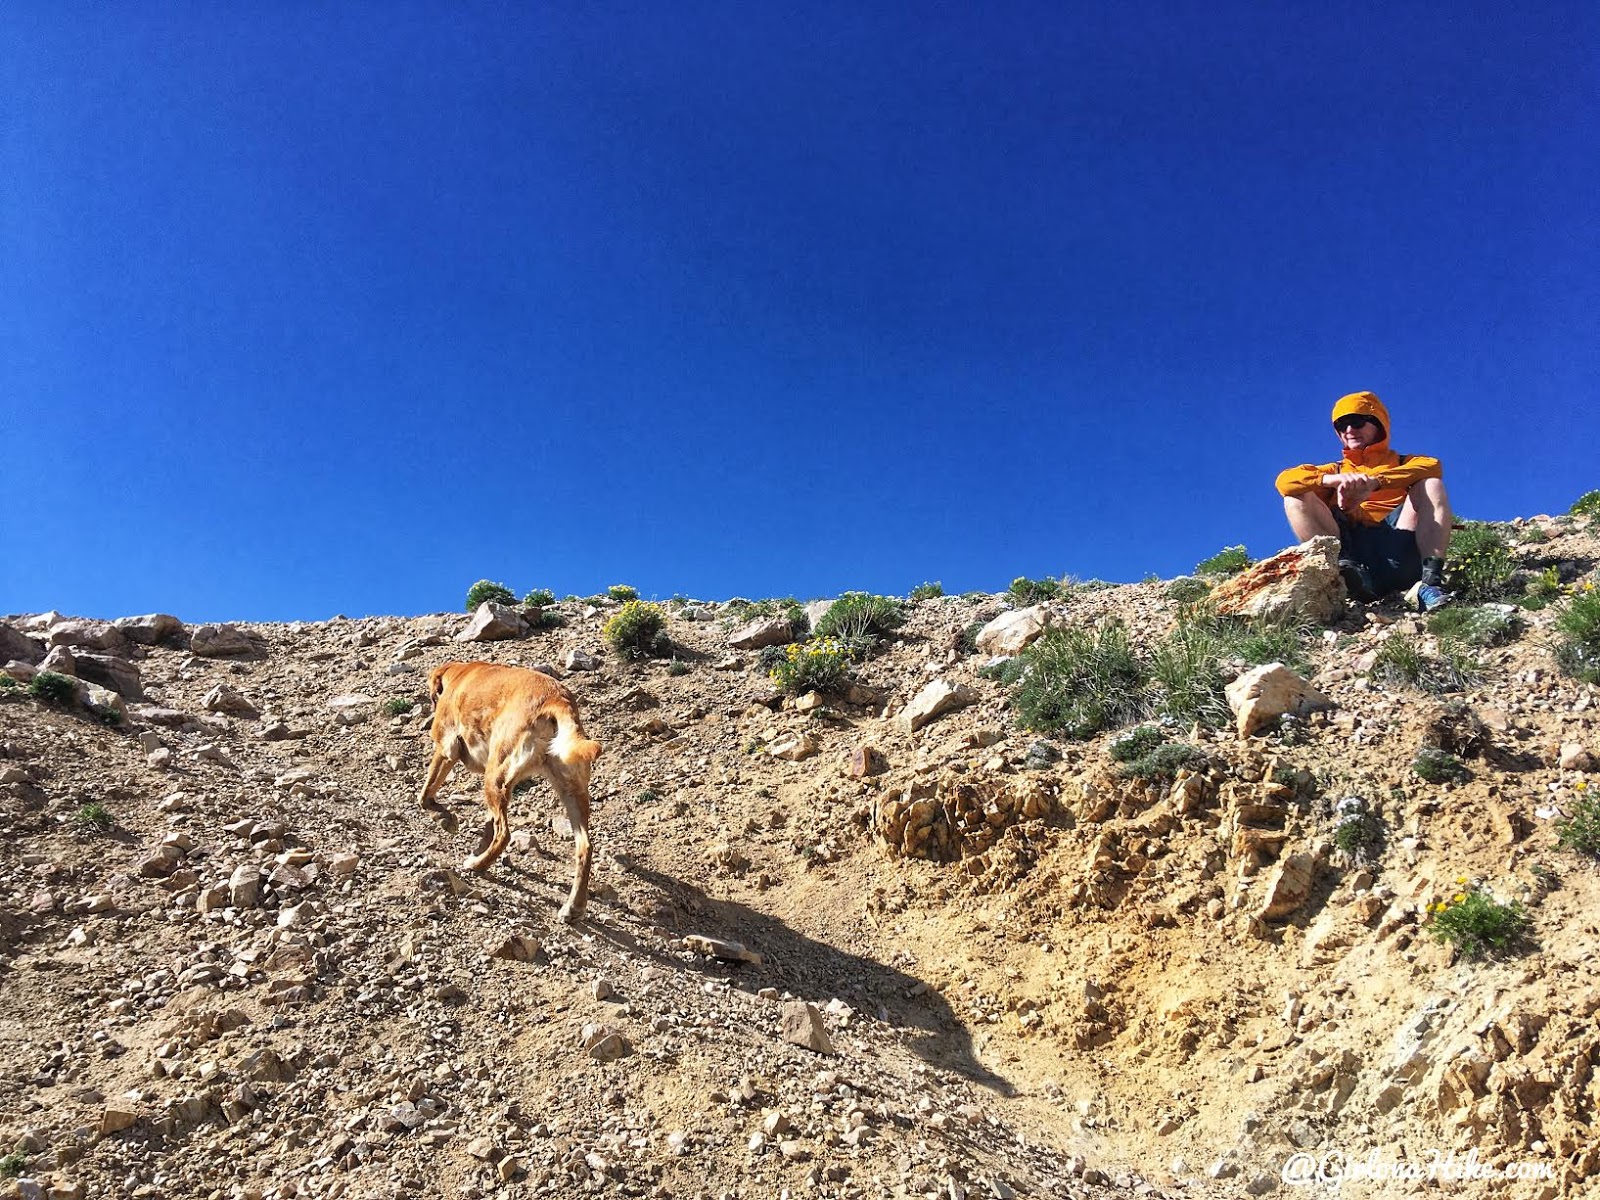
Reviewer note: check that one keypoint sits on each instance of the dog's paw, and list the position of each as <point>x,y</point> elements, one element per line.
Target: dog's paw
<point>476,862</point>
<point>569,914</point>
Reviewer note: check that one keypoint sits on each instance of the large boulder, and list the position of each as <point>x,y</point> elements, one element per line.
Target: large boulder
<point>88,635</point>
<point>152,629</point>
<point>1012,632</point>
<point>937,698</point>
<point>16,646</point>
<point>761,633</point>
<point>1302,582</point>
<point>1263,694</point>
<point>493,623</point>
<point>118,674</point>
<point>223,641</point>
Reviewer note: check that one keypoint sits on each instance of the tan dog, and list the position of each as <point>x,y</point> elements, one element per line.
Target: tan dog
<point>509,725</point>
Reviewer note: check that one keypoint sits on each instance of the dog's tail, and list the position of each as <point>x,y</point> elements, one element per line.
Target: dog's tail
<point>570,744</point>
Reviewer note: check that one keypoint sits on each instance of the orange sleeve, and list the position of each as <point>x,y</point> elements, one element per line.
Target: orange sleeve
<point>1307,477</point>
<point>1414,469</point>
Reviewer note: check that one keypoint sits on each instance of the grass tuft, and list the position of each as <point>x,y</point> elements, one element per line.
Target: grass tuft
<point>1578,627</point>
<point>1077,683</point>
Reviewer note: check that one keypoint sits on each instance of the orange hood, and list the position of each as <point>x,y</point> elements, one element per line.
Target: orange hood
<point>1367,404</point>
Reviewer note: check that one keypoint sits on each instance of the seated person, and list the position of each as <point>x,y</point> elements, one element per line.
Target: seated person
<point>1389,511</point>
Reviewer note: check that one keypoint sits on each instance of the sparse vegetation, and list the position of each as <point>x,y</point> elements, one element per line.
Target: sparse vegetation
<point>1474,625</point>
<point>621,593</point>
<point>1228,561</point>
<point>638,630</point>
<point>927,591</point>
<point>1438,766</point>
<point>1580,830</point>
<point>1187,591</point>
<point>1076,682</point>
<point>819,665</point>
<point>9,683</point>
<point>60,690</point>
<point>1480,563</point>
<point>860,619</point>
<point>1578,626</point>
<point>1475,923</point>
<point>398,706</point>
<point>1188,668</point>
<point>1025,591</point>
<point>539,598</point>
<point>1402,660</point>
<point>969,636</point>
<point>1357,833</point>
<point>677,667</point>
<point>1542,588</point>
<point>13,1165</point>
<point>487,589</point>
<point>1145,753</point>
<point>94,815</point>
<point>1533,535</point>
<point>1586,506</point>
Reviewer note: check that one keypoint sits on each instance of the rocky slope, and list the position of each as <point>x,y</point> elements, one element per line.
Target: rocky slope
<point>236,960</point>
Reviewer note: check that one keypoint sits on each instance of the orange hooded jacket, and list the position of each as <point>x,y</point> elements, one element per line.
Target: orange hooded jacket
<point>1395,472</point>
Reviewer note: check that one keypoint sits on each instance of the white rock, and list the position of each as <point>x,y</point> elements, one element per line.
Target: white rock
<point>937,698</point>
<point>1264,694</point>
<point>493,623</point>
<point>1011,632</point>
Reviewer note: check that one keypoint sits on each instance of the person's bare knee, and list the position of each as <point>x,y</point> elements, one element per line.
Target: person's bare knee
<point>1309,517</point>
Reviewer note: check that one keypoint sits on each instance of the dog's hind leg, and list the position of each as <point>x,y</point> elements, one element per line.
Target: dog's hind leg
<point>438,771</point>
<point>576,800</point>
<point>496,795</point>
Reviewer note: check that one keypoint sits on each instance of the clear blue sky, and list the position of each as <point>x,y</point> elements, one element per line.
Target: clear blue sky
<point>318,308</point>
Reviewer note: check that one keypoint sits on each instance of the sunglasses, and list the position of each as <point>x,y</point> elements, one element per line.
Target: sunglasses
<point>1352,421</point>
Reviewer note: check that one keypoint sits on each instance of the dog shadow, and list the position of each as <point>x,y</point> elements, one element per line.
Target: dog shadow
<point>811,970</point>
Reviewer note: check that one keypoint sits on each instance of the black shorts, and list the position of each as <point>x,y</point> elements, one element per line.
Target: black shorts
<point>1389,554</point>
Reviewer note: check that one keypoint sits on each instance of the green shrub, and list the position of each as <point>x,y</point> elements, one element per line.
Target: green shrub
<point>969,636</point>
<point>1581,830</point>
<point>1402,660</point>
<point>1229,561</point>
<point>1533,535</point>
<point>9,683</point>
<point>1472,625</point>
<point>52,688</point>
<point>1439,766</point>
<point>398,706</point>
<point>1187,591</point>
<point>858,617</point>
<point>1136,743</point>
<point>1480,563</point>
<point>819,665</point>
<point>1187,666</point>
<point>539,598</point>
<point>927,591</point>
<point>1003,670</point>
<point>13,1164</point>
<point>486,589</point>
<point>677,667</point>
<point>1076,682</point>
<point>1025,591</point>
<point>1357,832</point>
<point>638,630</point>
<point>93,815</point>
<point>548,618</point>
<point>622,593</point>
<point>1578,624</point>
<point>1586,505</point>
<point>1475,923</point>
<point>1543,587</point>
<point>1162,763</point>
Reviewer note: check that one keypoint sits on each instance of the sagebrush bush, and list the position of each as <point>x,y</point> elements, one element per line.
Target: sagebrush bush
<point>638,630</point>
<point>1077,682</point>
<point>487,589</point>
<point>860,617</point>
<point>1025,591</point>
<point>622,593</point>
<point>1187,591</point>
<point>1578,627</point>
<point>53,688</point>
<point>819,665</point>
<point>1475,923</point>
<point>1480,563</point>
<point>1228,561</point>
<point>1473,625</point>
<point>539,598</point>
<point>927,591</point>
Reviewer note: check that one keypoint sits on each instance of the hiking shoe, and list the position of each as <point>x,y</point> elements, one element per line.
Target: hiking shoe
<point>1426,597</point>
<point>1357,581</point>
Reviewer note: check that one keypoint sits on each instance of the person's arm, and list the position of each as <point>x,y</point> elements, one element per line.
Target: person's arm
<point>1414,469</point>
<point>1307,477</point>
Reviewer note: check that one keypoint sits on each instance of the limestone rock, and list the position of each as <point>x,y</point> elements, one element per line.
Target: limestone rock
<point>1264,694</point>
<point>14,644</point>
<point>1575,756</point>
<point>244,886</point>
<point>1302,581</point>
<point>118,674</point>
<point>937,698</point>
<point>88,635</point>
<point>222,641</point>
<point>493,623</point>
<point>224,699</point>
<point>152,629</point>
<point>1012,632</point>
<point>1289,886</point>
<point>803,1026</point>
<point>581,660</point>
<point>103,702</point>
<point>792,746</point>
<point>61,661</point>
<point>758,634</point>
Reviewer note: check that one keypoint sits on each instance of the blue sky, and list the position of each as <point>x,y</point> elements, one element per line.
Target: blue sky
<point>308,309</point>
